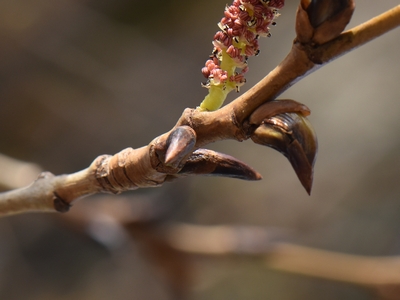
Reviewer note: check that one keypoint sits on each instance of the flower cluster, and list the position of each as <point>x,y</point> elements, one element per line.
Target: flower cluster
<point>244,22</point>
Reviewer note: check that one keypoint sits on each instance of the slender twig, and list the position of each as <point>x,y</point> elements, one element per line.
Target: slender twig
<point>354,269</point>
<point>287,257</point>
<point>379,274</point>
<point>359,35</point>
<point>301,260</point>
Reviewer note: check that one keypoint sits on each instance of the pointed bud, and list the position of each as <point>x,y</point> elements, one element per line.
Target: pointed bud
<point>180,143</point>
<point>208,162</point>
<point>293,136</point>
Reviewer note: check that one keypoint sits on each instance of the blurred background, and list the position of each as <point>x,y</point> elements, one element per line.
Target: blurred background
<point>80,78</point>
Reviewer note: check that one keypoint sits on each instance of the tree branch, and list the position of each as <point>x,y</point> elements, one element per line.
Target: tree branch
<point>379,274</point>
<point>269,246</point>
<point>154,164</point>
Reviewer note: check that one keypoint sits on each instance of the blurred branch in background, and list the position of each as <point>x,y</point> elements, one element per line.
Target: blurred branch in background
<point>15,173</point>
<point>171,248</point>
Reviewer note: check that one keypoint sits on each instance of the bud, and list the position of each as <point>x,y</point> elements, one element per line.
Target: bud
<point>212,163</point>
<point>319,21</point>
<point>292,135</point>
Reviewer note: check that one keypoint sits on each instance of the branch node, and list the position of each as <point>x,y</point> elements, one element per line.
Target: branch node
<point>60,205</point>
<point>103,172</point>
<point>44,175</point>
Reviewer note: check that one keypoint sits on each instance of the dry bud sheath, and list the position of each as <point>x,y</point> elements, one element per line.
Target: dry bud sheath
<point>128,170</point>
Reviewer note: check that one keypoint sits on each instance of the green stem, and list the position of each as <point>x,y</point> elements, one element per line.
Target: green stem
<point>217,93</point>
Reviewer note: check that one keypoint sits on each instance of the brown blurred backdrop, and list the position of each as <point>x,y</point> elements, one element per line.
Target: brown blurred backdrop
<point>80,78</point>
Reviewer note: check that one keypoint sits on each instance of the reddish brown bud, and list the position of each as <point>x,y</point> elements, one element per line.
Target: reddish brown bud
<point>289,133</point>
<point>319,21</point>
<point>208,162</point>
